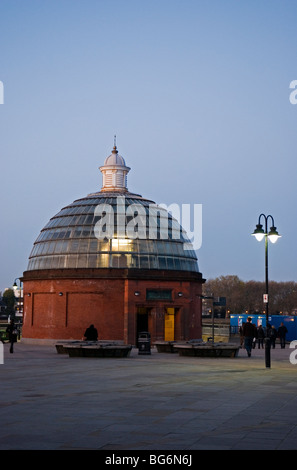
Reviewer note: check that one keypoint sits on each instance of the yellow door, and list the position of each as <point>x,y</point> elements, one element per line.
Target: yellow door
<point>169,324</point>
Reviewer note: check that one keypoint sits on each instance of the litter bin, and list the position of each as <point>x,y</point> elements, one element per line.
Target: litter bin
<point>144,342</point>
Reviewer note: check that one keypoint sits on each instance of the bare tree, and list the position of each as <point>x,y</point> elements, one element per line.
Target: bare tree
<point>247,297</point>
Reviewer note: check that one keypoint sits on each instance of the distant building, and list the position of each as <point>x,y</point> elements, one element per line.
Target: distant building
<point>87,267</point>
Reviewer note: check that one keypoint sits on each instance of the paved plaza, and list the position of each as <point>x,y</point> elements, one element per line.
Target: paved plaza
<point>155,402</point>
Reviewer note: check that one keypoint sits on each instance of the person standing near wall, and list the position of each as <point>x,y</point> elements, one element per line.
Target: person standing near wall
<point>261,336</point>
<point>249,333</point>
<point>281,332</point>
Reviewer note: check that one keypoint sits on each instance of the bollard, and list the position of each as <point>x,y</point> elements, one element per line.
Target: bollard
<point>267,352</point>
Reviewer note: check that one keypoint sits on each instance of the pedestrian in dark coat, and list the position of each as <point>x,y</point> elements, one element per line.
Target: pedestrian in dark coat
<point>282,331</point>
<point>261,336</point>
<point>91,333</point>
<point>273,336</point>
<point>12,334</point>
<point>249,333</point>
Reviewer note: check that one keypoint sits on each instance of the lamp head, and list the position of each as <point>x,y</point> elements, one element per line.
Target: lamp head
<point>273,235</point>
<point>258,233</point>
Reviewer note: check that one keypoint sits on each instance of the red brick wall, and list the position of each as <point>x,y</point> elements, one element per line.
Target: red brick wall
<point>110,304</point>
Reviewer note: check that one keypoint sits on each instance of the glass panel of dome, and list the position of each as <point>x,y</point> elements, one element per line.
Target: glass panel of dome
<point>36,263</point>
<point>82,261</point>
<point>92,263</point>
<point>40,249</point>
<point>177,264</point>
<point>72,261</point>
<point>70,210</point>
<point>84,246</point>
<point>45,247</point>
<point>170,263</point>
<point>80,220</point>
<point>59,262</point>
<point>49,234</point>
<point>115,259</point>
<point>62,221</point>
<point>182,264</point>
<point>103,245</point>
<point>45,235</point>
<point>50,247</point>
<point>144,262</point>
<point>44,263</point>
<point>151,246</point>
<point>89,220</point>
<point>121,244</point>
<point>86,231</point>
<point>142,246</point>
<point>89,210</point>
<point>175,234</point>
<point>62,262</point>
<point>54,234</point>
<point>103,260</point>
<point>168,248</point>
<point>134,261</point>
<point>50,224</point>
<point>31,265</point>
<point>34,250</point>
<point>162,262</point>
<point>64,233</point>
<point>124,260</point>
<point>61,246</point>
<point>153,262</point>
<point>73,246</point>
<point>94,245</point>
<point>39,238</point>
<point>78,231</point>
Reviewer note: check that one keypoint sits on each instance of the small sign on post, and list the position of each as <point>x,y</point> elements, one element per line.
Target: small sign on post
<point>265,298</point>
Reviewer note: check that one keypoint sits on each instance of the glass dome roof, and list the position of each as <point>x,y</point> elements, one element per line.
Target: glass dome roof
<point>113,228</point>
<point>69,240</point>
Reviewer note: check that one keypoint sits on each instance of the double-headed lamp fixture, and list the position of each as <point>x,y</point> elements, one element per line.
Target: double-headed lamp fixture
<point>272,235</point>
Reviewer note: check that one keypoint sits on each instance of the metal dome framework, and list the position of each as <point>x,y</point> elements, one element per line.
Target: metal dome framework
<point>68,241</point>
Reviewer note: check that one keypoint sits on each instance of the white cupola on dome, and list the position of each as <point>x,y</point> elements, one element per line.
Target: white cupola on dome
<point>114,172</point>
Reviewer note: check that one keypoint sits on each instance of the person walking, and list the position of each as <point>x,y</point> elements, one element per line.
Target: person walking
<point>273,336</point>
<point>281,332</point>
<point>91,333</point>
<point>12,334</point>
<point>261,336</point>
<point>249,333</point>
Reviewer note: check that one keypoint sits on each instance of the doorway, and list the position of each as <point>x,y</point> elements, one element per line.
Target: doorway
<point>169,324</point>
<point>141,320</point>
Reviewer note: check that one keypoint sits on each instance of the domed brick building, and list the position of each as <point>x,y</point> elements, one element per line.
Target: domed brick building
<point>116,260</point>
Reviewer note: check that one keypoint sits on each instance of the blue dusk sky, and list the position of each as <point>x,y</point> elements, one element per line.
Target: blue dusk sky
<point>197,92</point>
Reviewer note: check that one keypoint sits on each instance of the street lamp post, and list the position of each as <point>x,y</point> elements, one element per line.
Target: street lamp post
<point>20,296</point>
<point>273,236</point>
<point>212,314</point>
